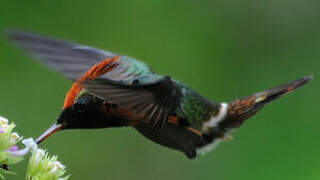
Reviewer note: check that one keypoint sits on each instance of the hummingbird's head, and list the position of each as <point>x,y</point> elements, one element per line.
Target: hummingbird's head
<point>74,117</point>
<point>83,116</point>
<point>85,113</point>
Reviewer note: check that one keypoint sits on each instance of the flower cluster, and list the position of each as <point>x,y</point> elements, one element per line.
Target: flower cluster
<point>41,165</point>
<point>44,167</point>
<point>8,144</point>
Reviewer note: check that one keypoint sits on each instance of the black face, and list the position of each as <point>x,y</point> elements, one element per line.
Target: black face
<point>88,113</point>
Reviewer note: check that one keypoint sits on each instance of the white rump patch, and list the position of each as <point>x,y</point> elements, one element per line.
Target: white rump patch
<point>214,120</point>
<point>209,147</point>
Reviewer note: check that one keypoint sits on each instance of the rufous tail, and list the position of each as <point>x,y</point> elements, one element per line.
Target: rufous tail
<point>241,109</point>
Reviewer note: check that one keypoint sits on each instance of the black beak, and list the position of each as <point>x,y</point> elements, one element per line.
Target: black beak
<point>49,132</point>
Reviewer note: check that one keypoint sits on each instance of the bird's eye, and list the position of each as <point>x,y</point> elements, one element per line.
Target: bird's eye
<point>79,107</point>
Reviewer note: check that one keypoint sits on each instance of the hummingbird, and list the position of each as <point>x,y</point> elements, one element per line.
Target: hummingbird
<point>111,90</point>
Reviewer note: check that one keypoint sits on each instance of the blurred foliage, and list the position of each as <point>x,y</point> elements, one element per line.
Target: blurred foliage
<point>223,49</point>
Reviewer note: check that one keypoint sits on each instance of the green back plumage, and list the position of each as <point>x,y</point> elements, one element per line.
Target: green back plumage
<point>141,69</point>
<point>194,107</point>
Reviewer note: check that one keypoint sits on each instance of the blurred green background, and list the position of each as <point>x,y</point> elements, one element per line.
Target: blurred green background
<point>223,49</point>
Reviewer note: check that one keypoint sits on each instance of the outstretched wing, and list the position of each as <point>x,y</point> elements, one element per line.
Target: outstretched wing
<point>153,102</point>
<point>126,82</point>
<point>72,60</point>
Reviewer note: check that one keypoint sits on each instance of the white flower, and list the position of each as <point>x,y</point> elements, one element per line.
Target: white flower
<point>39,155</point>
<point>30,144</point>
<point>54,170</point>
<point>3,120</point>
<point>5,127</point>
<point>14,137</point>
<point>58,165</point>
<point>55,166</point>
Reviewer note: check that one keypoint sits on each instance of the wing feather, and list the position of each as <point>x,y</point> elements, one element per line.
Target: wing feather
<point>126,82</point>
<point>153,102</point>
<point>59,54</point>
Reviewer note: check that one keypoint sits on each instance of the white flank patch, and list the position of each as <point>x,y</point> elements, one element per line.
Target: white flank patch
<point>214,120</point>
<point>209,147</point>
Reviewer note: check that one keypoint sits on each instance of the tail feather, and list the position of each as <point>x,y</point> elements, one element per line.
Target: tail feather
<point>241,109</point>
<point>279,91</point>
